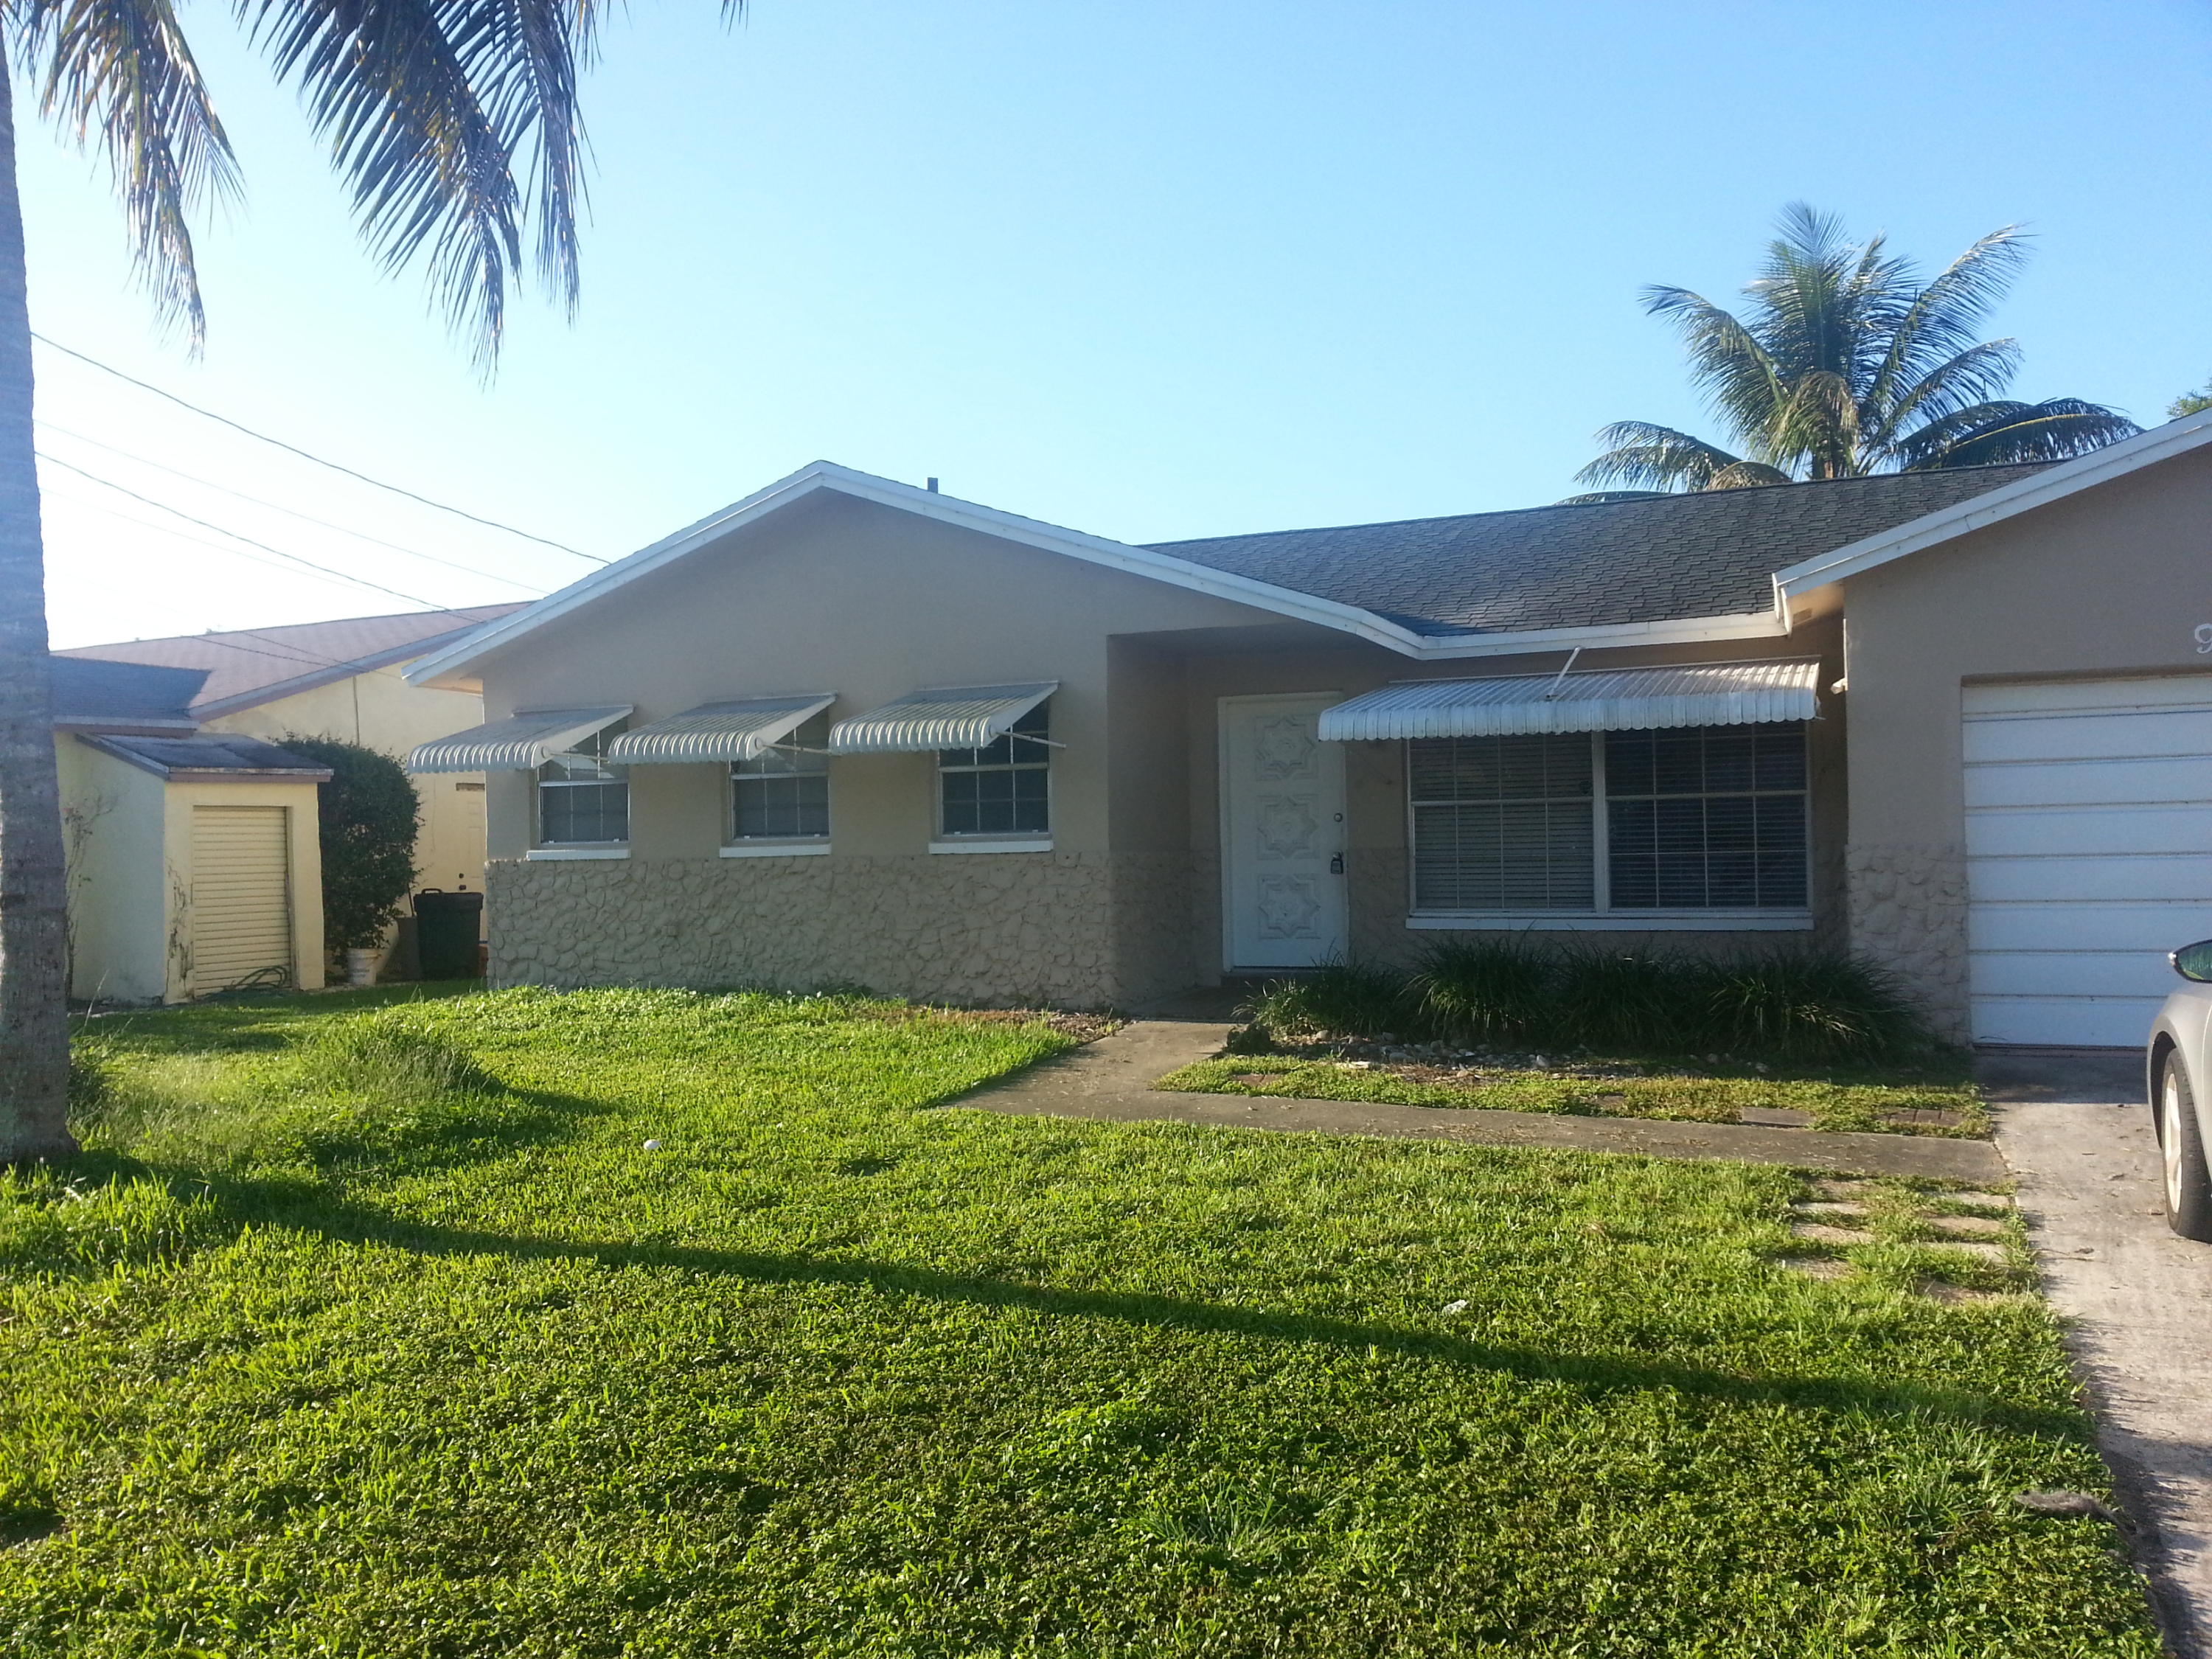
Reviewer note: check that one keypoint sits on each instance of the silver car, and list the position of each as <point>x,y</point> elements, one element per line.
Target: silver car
<point>2179,1072</point>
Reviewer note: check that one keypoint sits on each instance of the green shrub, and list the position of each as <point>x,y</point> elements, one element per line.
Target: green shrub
<point>1811,1006</point>
<point>1490,991</point>
<point>367,817</point>
<point>1340,1000</point>
<point>1630,1002</point>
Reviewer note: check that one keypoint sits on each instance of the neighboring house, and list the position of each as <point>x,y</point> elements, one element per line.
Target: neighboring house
<point>342,679</point>
<point>851,730</point>
<point>193,864</point>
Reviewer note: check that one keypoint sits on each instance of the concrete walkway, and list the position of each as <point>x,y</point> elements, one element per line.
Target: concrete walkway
<point>2137,1301</point>
<point>1110,1080</point>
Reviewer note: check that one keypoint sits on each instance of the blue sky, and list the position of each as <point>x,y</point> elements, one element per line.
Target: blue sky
<point>1153,269</point>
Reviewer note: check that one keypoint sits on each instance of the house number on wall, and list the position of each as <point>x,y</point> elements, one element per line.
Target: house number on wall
<point>2204,639</point>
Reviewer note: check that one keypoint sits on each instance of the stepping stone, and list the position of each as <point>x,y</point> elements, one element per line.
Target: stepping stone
<point>1775,1117</point>
<point>1923,1117</point>
<point>1843,1191</point>
<point>1813,1233</point>
<point>1979,1200</point>
<point>1966,1226</point>
<point>1956,1295</point>
<point>1813,1267</point>
<point>1991,1253</point>
<point>1833,1211</point>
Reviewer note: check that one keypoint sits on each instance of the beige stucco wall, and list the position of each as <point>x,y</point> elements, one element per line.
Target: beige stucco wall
<point>111,833</point>
<point>128,835</point>
<point>306,874</point>
<point>2112,580</point>
<point>842,595</point>
<point>379,710</point>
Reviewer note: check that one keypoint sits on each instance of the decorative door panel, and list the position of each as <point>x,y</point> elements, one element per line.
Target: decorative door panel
<point>1282,825</point>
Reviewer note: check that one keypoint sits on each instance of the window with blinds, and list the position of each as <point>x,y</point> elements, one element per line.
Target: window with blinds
<point>1712,818</point>
<point>1704,818</point>
<point>1502,823</point>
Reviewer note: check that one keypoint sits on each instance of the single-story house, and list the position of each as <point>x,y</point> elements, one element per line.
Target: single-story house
<point>192,861</point>
<point>847,729</point>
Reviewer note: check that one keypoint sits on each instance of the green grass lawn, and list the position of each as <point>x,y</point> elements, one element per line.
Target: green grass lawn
<point>307,1358</point>
<point>1833,1100</point>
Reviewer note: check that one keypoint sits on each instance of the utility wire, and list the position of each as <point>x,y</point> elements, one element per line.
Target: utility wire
<point>201,541</point>
<point>358,581</point>
<point>308,518</point>
<point>492,524</point>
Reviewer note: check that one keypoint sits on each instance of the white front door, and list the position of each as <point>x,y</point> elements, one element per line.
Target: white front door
<point>2089,853</point>
<point>1282,833</point>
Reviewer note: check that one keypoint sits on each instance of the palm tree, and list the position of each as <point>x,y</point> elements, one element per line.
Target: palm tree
<point>1847,364</point>
<point>455,126</point>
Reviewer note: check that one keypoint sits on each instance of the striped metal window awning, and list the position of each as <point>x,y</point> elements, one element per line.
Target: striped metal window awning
<point>1603,700</point>
<point>523,743</point>
<point>955,717</point>
<point>735,731</point>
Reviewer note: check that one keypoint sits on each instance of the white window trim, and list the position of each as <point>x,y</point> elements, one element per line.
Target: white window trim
<point>558,854</point>
<point>1604,919</point>
<point>762,847</point>
<point>1612,922</point>
<point>994,844</point>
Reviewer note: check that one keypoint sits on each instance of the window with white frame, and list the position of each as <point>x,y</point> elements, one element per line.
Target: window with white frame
<point>581,800</point>
<point>1004,788</point>
<point>783,792</point>
<point>1702,818</point>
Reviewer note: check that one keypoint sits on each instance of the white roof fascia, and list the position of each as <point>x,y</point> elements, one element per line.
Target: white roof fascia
<point>1678,631</point>
<point>2083,472</point>
<point>1009,526</point>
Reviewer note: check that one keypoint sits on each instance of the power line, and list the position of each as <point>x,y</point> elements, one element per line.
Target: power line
<point>492,524</point>
<point>163,507</point>
<point>308,518</point>
<point>200,541</point>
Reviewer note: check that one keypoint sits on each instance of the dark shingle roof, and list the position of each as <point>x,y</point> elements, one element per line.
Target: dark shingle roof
<point>87,691</point>
<point>1704,555</point>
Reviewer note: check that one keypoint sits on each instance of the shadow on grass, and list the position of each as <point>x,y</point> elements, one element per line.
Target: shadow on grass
<point>1596,1373</point>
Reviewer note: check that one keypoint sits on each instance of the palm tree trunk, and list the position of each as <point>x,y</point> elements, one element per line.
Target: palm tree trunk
<point>33,1012</point>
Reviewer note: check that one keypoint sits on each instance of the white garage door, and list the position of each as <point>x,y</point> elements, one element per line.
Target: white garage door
<point>2088,853</point>
<point>242,922</point>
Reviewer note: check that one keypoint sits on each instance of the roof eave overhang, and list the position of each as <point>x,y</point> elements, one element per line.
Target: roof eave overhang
<point>121,725</point>
<point>2099,466</point>
<point>1676,630</point>
<point>449,669</point>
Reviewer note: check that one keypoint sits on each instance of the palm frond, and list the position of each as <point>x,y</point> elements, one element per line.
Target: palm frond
<point>1727,362</point>
<point>1996,433</point>
<point>1601,497</point>
<point>1939,322</point>
<point>1975,376</point>
<point>1644,457</point>
<point>119,77</point>
<point>427,106</point>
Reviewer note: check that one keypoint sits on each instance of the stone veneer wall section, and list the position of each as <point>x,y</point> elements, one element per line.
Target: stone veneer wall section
<point>1065,929</point>
<point>1908,912</point>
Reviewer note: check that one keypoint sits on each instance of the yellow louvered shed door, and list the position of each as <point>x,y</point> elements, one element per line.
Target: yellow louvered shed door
<point>241,919</point>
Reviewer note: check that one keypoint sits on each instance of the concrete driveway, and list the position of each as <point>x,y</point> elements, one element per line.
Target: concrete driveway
<point>2076,1131</point>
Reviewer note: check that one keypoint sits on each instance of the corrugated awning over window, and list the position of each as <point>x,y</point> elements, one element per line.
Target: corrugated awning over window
<point>1605,700</point>
<point>955,717</point>
<point>525,741</point>
<point>735,731</point>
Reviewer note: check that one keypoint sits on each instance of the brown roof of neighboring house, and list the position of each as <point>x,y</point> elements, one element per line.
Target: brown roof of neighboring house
<point>247,666</point>
<point>183,759</point>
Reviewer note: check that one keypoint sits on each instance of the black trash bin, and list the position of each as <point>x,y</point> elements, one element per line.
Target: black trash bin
<point>446,927</point>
